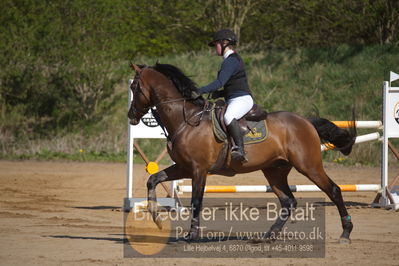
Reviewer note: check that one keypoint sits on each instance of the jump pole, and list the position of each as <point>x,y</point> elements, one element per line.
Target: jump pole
<point>359,139</point>
<point>294,188</point>
<point>359,124</point>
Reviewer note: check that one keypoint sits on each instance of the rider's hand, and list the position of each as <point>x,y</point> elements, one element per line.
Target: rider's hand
<point>195,95</point>
<point>216,94</point>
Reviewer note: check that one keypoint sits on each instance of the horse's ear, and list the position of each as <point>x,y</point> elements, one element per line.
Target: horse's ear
<point>135,68</point>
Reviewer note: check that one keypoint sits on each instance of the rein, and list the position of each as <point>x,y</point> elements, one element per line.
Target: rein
<point>187,122</point>
<point>170,101</point>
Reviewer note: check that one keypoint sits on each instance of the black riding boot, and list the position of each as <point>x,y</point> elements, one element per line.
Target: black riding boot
<point>237,152</point>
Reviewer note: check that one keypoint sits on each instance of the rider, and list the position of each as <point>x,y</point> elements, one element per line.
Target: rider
<point>233,79</point>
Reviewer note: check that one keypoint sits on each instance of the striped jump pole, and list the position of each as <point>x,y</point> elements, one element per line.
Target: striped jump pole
<point>359,124</point>
<point>359,139</point>
<point>294,188</point>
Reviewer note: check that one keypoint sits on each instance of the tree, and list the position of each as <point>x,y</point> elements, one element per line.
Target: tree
<point>387,17</point>
<point>296,23</point>
<point>229,14</point>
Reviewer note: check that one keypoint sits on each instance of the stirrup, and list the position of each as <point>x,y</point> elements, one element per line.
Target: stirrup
<point>238,154</point>
<point>235,148</point>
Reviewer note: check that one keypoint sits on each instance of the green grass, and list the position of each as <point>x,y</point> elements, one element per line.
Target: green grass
<point>331,79</point>
<point>79,156</point>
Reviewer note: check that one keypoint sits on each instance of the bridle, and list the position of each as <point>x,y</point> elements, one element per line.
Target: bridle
<point>136,88</point>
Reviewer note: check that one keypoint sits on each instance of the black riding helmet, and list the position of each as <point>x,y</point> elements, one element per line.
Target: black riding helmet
<point>224,34</point>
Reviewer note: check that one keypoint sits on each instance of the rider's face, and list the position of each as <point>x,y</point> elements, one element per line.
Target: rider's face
<point>218,48</point>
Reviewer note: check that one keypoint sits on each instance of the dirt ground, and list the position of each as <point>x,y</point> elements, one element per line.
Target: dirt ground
<point>55,213</point>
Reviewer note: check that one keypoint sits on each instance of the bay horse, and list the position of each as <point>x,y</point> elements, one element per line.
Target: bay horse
<point>293,141</point>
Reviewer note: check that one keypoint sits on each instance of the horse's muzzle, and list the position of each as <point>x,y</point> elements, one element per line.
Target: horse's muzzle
<point>132,115</point>
<point>134,121</point>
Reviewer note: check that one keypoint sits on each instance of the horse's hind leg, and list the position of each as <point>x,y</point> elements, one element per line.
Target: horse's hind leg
<point>277,178</point>
<point>173,172</point>
<point>317,174</point>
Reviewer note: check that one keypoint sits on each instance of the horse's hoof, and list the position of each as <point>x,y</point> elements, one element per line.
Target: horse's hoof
<point>344,240</point>
<point>256,241</point>
<point>270,236</point>
<point>191,237</point>
<point>269,240</point>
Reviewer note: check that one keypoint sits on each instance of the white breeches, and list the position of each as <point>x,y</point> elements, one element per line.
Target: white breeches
<point>237,108</point>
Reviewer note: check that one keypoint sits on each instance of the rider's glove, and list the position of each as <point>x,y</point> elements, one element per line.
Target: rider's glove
<point>217,94</point>
<point>195,95</point>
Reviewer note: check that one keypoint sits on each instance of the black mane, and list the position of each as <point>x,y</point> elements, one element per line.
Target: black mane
<point>183,83</point>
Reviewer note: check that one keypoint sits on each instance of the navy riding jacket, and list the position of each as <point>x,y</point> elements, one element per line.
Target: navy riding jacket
<point>232,77</point>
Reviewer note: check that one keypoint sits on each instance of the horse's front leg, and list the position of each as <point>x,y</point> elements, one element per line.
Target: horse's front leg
<point>173,172</point>
<point>198,187</point>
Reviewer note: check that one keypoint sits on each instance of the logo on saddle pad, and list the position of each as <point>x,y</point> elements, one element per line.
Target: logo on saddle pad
<point>257,131</point>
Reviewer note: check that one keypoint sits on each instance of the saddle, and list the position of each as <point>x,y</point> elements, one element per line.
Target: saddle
<point>253,127</point>
<point>256,114</point>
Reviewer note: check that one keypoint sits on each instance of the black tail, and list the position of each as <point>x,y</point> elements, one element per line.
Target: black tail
<point>342,139</point>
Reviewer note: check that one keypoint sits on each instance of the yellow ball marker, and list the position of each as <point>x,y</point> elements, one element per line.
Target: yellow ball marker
<point>152,168</point>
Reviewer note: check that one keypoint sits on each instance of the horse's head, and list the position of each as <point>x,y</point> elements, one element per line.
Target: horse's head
<point>141,97</point>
